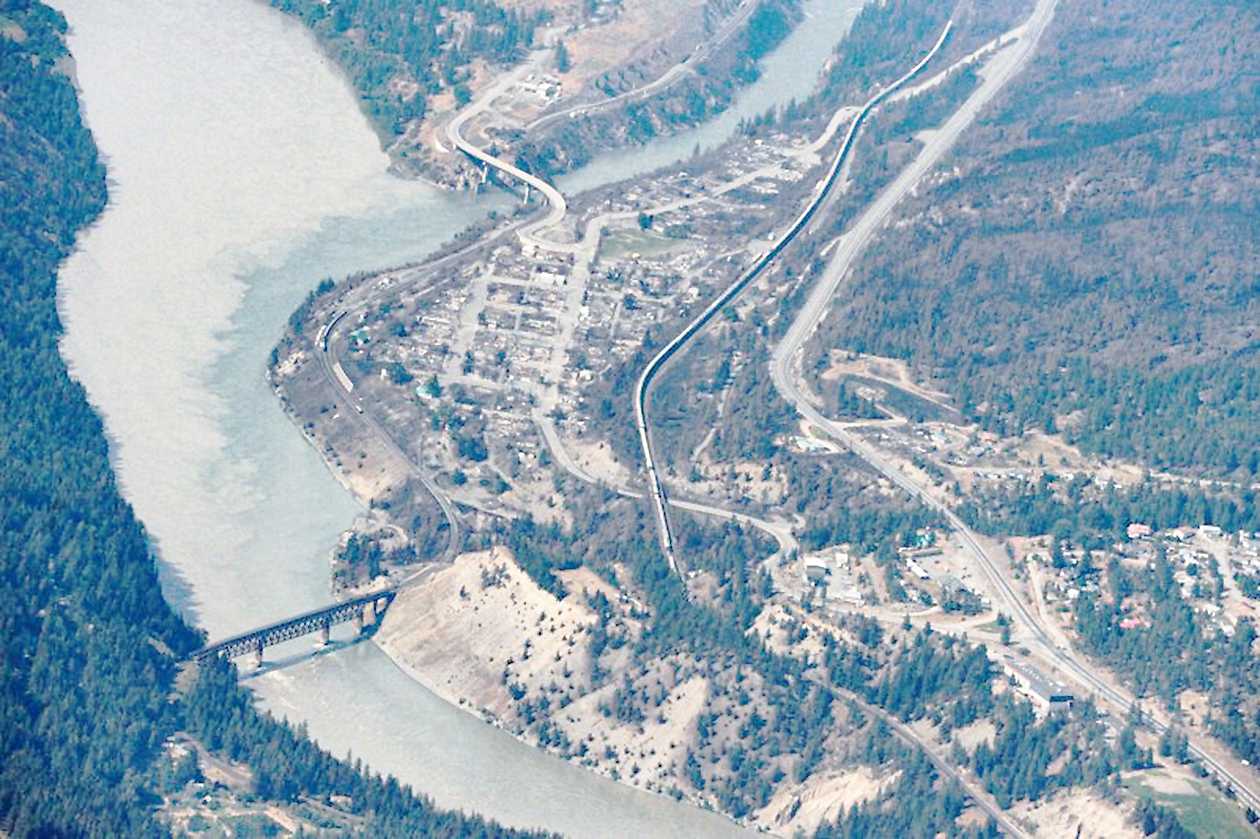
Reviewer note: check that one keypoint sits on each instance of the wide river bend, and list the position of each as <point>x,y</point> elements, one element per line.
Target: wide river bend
<point>241,172</point>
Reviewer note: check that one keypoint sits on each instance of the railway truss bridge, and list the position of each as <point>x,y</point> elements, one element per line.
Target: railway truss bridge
<point>365,611</point>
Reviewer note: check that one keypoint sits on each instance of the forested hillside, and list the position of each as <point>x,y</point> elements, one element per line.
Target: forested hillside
<point>1088,265</point>
<point>695,98</point>
<point>90,647</point>
<point>399,54</point>
<point>84,705</point>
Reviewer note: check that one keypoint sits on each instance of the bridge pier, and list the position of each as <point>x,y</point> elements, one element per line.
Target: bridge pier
<point>365,618</point>
<point>365,611</point>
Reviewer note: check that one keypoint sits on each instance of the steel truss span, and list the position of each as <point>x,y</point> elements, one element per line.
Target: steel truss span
<point>307,623</point>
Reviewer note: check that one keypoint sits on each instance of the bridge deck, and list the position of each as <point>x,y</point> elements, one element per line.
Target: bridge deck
<point>297,626</point>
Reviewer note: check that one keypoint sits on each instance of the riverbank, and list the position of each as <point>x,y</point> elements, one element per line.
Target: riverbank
<point>481,634</point>
<point>450,641</point>
<point>662,66</point>
<point>173,303</point>
<point>100,737</point>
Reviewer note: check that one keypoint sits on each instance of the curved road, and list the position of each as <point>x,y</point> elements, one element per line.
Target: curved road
<point>555,199</point>
<point>328,364</point>
<point>661,82</point>
<point>1000,70</point>
<point>454,130</point>
<point>692,329</point>
<point>780,531</point>
<point>912,738</point>
<point>359,298</point>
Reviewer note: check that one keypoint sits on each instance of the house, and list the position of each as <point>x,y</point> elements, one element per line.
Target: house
<point>816,568</point>
<point>918,570</point>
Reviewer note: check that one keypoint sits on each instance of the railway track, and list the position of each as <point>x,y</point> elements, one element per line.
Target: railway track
<point>679,342</point>
<point>785,359</point>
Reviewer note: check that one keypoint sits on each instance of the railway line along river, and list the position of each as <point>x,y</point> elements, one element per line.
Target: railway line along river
<point>241,172</point>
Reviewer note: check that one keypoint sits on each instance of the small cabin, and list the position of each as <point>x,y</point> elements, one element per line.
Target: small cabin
<point>816,569</point>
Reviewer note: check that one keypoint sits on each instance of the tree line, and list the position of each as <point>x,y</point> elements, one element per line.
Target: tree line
<point>88,664</point>
<point>381,43</point>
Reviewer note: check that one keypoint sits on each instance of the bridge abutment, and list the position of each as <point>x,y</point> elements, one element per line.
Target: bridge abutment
<point>365,611</point>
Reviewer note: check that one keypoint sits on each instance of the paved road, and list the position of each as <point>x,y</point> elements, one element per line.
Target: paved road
<point>787,545</point>
<point>679,341</point>
<point>555,199</point>
<point>365,296</point>
<point>362,297</point>
<point>785,362</point>
<point>454,132</point>
<point>666,80</point>
<point>912,738</point>
<point>785,356</point>
<point>780,531</point>
<point>328,361</point>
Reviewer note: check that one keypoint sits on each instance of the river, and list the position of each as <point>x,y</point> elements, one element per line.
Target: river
<point>241,172</point>
<point>809,46</point>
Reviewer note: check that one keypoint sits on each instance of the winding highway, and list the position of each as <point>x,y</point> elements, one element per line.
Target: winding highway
<point>359,299</point>
<point>1004,65</point>
<point>454,132</point>
<point>786,363</point>
<point>662,82</point>
<point>679,341</point>
<point>557,205</point>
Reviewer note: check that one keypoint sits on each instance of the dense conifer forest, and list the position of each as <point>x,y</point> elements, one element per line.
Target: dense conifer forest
<point>90,690</point>
<point>917,676</point>
<point>88,639</point>
<point>1088,268</point>
<point>90,650</point>
<point>1086,513</point>
<point>399,54</point>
